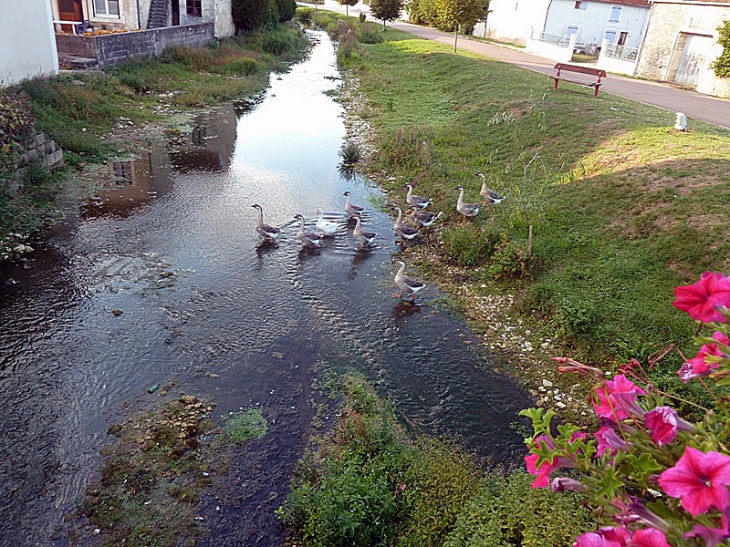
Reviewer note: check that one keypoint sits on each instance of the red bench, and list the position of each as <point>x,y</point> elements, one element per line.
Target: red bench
<point>562,67</point>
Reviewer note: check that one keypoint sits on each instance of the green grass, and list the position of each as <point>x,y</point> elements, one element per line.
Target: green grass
<point>623,208</point>
<point>246,425</point>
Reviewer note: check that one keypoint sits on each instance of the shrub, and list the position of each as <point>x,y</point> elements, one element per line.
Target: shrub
<point>16,119</point>
<point>241,67</point>
<point>722,65</point>
<point>250,15</point>
<point>471,245</point>
<point>370,35</point>
<point>349,153</point>
<point>286,8</point>
<point>509,260</point>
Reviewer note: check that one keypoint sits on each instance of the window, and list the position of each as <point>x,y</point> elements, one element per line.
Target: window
<point>579,4</point>
<point>610,36</point>
<point>615,14</point>
<point>571,30</point>
<point>193,8</point>
<point>106,7</point>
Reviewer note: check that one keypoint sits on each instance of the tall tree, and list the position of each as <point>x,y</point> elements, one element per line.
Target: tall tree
<point>386,10</point>
<point>455,13</point>
<point>347,4</point>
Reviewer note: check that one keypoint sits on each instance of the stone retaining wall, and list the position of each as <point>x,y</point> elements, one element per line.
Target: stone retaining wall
<point>111,49</point>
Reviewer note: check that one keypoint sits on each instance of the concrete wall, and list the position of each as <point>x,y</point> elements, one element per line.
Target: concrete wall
<point>668,23</point>
<point>111,49</point>
<point>223,19</point>
<point>559,53</point>
<point>514,20</point>
<point>593,22</point>
<point>27,45</point>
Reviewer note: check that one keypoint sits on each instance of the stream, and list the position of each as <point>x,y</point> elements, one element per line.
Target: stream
<point>160,278</point>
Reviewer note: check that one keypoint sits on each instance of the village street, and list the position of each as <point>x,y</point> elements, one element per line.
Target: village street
<point>672,98</point>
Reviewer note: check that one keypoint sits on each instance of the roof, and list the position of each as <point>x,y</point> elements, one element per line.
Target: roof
<point>636,3</point>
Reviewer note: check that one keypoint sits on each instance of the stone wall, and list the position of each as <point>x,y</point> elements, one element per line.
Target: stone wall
<point>111,49</point>
<point>669,24</point>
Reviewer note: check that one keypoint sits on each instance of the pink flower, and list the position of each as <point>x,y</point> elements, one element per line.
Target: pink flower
<point>605,537</point>
<point>701,299</point>
<point>561,484</point>
<point>649,537</point>
<point>542,479</point>
<point>607,406</point>
<point>699,365</point>
<point>663,422</point>
<point>609,441</point>
<point>712,536</point>
<point>700,480</point>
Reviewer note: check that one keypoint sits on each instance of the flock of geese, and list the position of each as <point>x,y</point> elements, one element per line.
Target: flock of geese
<point>311,240</point>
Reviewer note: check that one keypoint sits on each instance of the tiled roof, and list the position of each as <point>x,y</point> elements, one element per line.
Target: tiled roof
<point>637,3</point>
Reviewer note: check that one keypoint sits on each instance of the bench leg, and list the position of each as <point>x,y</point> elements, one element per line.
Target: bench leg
<point>595,90</point>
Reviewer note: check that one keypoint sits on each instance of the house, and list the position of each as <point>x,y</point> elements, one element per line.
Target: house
<point>101,33</point>
<point>681,44</point>
<point>72,16</point>
<point>620,22</point>
<point>27,45</point>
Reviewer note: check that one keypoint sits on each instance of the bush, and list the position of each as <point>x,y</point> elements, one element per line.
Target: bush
<point>240,67</point>
<point>250,15</point>
<point>471,245</point>
<point>722,65</point>
<point>16,119</point>
<point>286,8</point>
<point>370,35</point>
<point>507,512</point>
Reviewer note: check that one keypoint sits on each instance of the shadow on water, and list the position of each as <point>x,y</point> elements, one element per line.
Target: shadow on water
<point>170,246</point>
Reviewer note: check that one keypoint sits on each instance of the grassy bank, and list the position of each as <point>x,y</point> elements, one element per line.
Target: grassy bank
<point>622,207</point>
<point>81,112</point>
<point>368,484</point>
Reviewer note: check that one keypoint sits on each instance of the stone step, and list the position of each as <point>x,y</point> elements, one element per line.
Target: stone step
<point>78,63</point>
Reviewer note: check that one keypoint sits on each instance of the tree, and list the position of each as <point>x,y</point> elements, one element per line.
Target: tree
<point>286,10</point>
<point>347,4</point>
<point>386,10</point>
<point>453,14</point>
<point>252,14</point>
<point>721,66</point>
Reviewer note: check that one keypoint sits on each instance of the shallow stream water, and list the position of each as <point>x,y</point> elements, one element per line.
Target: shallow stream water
<point>172,246</point>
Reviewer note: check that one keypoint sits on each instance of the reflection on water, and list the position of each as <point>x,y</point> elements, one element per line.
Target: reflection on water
<point>172,245</point>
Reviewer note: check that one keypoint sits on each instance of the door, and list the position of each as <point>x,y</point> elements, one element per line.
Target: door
<point>70,10</point>
<point>694,59</point>
<point>622,38</point>
<point>175,12</point>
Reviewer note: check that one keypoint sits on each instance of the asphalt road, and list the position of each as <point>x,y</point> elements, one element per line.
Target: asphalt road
<point>694,105</point>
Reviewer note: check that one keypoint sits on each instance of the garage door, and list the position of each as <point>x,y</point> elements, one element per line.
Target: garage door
<point>697,49</point>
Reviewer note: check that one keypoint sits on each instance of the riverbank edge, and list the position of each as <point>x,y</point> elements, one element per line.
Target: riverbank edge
<point>513,346</point>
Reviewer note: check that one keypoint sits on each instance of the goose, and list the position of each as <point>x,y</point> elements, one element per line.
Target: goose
<point>423,218</point>
<point>468,210</point>
<point>309,240</point>
<point>268,233</point>
<point>350,208</point>
<point>417,201</point>
<point>403,230</point>
<point>487,193</point>
<point>405,283</point>
<point>326,227</point>
<point>365,238</point>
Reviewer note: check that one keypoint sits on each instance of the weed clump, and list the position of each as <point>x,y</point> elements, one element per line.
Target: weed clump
<point>246,425</point>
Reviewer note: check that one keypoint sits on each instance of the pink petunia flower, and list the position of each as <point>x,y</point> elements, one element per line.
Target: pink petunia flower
<point>700,480</point>
<point>712,536</point>
<point>561,484</point>
<point>699,365</point>
<point>607,406</point>
<point>663,423</point>
<point>609,441</point>
<point>701,299</point>
<point>605,537</point>
<point>649,537</point>
<point>542,473</point>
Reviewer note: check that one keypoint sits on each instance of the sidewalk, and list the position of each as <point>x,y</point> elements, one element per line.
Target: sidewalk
<point>694,105</point>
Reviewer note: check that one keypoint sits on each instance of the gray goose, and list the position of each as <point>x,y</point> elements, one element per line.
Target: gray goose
<point>268,233</point>
<point>489,195</point>
<point>365,238</point>
<point>423,218</point>
<point>468,210</point>
<point>405,283</point>
<point>403,230</point>
<point>416,201</point>
<point>309,240</point>
<point>350,208</point>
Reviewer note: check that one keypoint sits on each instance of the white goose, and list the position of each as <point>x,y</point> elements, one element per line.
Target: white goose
<point>468,210</point>
<point>423,218</point>
<point>350,208</point>
<point>406,284</point>
<point>489,195</point>
<point>417,201</point>
<point>268,233</point>
<point>403,230</point>
<point>309,240</point>
<point>365,238</point>
<point>326,227</point>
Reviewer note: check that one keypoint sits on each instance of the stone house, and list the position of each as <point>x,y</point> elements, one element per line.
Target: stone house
<point>129,15</point>
<point>620,22</point>
<point>27,45</point>
<point>681,44</point>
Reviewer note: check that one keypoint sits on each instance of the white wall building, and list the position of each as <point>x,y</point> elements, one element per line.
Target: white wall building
<point>27,41</point>
<point>619,22</point>
<point>514,21</point>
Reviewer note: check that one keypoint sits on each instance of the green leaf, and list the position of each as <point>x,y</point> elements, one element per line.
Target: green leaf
<point>643,466</point>
<point>608,484</point>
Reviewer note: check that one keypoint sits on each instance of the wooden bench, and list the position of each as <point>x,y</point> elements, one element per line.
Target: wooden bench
<point>562,67</point>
